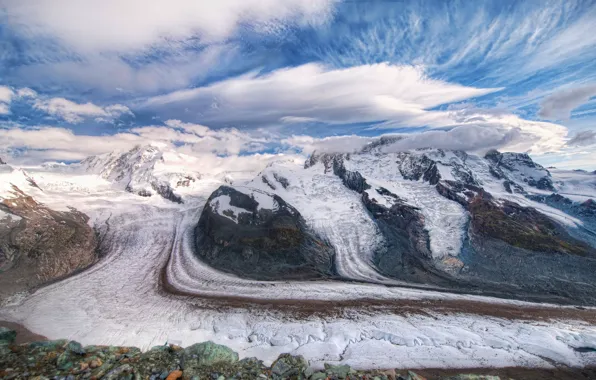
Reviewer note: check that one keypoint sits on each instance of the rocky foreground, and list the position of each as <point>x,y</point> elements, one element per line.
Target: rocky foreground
<point>63,359</point>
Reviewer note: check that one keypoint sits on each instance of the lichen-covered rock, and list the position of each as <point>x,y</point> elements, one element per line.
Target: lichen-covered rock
<point>7,336</point>
<point>159,361</point>
<point>341,371</point>
<point>75,348</point>
<point>258,235</point>
<point>289,367</point>
<point>209,353</point>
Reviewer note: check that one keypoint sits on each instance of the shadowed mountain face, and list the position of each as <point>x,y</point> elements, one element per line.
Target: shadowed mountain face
<point>493,225</point>
<point>260,237</point>
<point>39,245</point>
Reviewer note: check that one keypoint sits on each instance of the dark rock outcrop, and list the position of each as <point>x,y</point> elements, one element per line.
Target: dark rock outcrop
<point>166,191</point>
<point>415,167</point>
<point>352,180</point>
<point>282,180</point>
<point>39,245</point>
<point>405,254</point>
<point>260,243</point>
<point>516,164</point>
<point>522,227</point>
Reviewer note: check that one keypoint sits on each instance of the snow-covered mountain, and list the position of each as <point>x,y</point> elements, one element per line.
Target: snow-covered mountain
<point>498,224</point>
<point>146,170</point>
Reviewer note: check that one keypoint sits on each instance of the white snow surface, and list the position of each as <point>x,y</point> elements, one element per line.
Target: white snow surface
<point>119,300</point>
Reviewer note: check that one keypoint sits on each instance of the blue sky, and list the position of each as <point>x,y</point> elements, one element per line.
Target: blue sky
<point>80,77</point>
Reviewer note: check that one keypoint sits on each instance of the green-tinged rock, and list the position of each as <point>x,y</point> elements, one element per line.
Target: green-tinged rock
<point>123,372</point>
<point>49,344</point>
<point>75,348</point>
<point>318,376</point>
<point>7,336</point>
<point>288,366</point>
<point>209,353</point>
<point>102,370</point>
<point>65,361</point>
<point>251,367</point>
<point>157,361</point>
<point>341,371</point>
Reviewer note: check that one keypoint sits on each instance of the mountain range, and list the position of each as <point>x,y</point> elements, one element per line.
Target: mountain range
<point>498,224</point>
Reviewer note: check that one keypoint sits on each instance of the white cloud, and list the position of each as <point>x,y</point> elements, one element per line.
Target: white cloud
<point>311,92</point>
<point>75,113</point>
<point>332,144</point>
<point>6,95</point>
<point>120,25</point>
<point>112,74</point>
<point>4,109</point>
<point>51,143</point>
<point>203,139</point>
<point>476,134</point>
<point>26,93</point>
<point>560,104</point>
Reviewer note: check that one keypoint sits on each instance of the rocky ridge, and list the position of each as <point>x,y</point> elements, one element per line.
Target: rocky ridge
<point>63,359</point>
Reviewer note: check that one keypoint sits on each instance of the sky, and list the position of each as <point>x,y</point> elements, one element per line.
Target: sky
<point>251,77</point>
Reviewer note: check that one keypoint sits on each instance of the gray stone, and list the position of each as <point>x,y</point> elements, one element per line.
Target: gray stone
<point>209,353</point>
<point>287,365</point>
<point>340,370</point>
<point>7,336</point>
<point>75,348</point>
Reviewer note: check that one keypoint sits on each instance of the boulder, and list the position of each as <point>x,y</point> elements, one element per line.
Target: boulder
<point>287,365</point>
<point>7,336</point>
<point>209,353</point>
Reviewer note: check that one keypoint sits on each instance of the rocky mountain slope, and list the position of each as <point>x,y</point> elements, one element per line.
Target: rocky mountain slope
<point>38,244</point>
<point>499,224</point>
<point>255,234</point>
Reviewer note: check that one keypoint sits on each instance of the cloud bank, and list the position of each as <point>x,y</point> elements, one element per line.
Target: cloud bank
<point>560,104</point>
<point>52,143</point>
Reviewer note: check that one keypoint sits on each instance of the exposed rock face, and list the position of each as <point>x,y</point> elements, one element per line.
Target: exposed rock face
<point>520,166</point>
<point>38,244</point>
<point>517,251</point>
<point>522,227</point>
<point>260,236</point>
<point>2,162</point>
<point>352,180</point>
<point>405,254</point>
<point>416,167</point>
